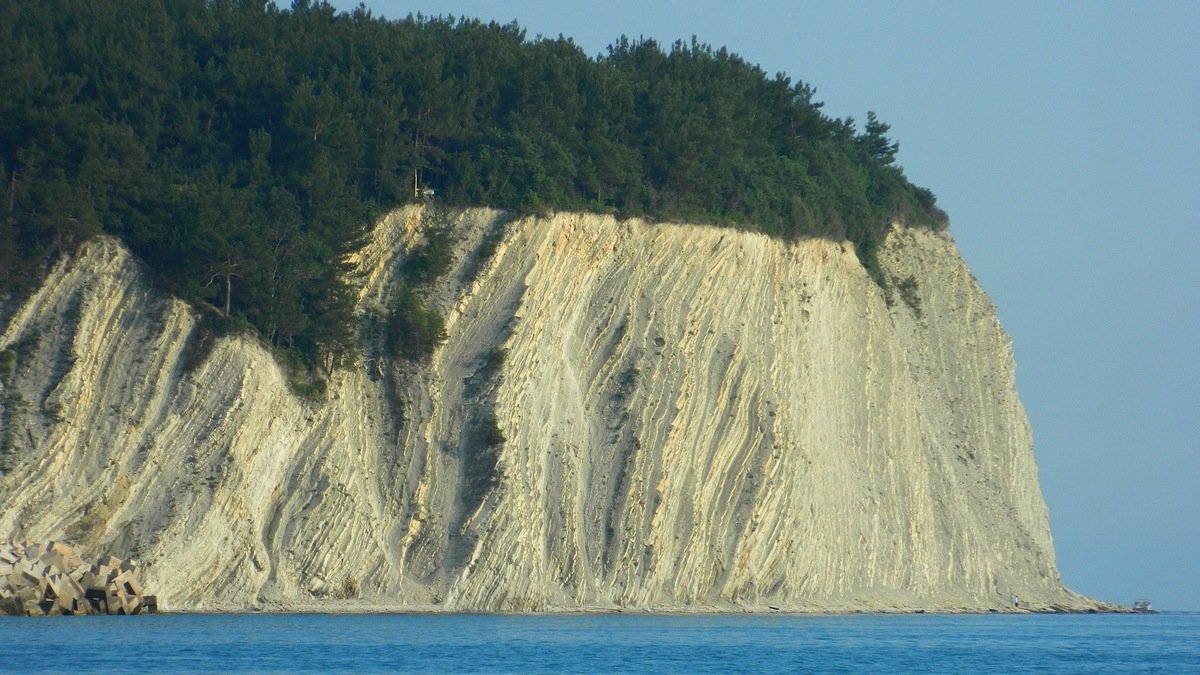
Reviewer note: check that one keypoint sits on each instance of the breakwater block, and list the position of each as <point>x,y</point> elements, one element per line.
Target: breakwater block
<point>53,579</point>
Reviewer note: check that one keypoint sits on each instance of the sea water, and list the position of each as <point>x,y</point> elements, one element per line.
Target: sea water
<point>1167,643</point>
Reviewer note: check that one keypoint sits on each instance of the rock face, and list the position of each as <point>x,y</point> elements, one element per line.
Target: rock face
<point>624,416</point>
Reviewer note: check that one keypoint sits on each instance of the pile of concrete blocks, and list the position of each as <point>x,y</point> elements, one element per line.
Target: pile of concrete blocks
<point>53,579</point>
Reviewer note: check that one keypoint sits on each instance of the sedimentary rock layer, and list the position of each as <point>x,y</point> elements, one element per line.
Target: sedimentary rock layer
<point>692,418</point>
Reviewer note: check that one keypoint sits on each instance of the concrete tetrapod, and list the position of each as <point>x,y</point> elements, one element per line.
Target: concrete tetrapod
<point>53,579</point>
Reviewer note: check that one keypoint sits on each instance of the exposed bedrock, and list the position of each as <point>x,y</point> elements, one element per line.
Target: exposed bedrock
<point>692,418</point>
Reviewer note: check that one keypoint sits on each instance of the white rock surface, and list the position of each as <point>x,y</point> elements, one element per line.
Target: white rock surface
<point>696,419</point>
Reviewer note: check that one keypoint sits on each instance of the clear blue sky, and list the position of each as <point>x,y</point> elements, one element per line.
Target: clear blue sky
<point>1063,138</point>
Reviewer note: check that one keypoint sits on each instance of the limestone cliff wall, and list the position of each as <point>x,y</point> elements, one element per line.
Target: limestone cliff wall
<point>693,418</point>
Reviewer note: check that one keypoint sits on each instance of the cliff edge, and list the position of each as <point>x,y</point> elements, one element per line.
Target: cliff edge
<point>624,415</point>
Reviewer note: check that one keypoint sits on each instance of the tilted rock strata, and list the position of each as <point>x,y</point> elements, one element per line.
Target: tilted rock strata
<point>693,418</point>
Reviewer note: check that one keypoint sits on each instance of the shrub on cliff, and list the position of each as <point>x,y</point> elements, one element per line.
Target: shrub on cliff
<point>413,330</point>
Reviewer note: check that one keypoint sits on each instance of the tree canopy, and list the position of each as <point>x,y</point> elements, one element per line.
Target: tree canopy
<point>242,151</point>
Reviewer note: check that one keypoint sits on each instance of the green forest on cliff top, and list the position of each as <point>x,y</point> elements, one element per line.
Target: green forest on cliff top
<point>242,152</point>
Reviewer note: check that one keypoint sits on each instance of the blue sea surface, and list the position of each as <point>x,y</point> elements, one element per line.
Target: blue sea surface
<point>1166,643</point>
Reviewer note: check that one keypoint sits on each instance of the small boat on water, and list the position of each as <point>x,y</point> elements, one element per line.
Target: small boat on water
<point>1142,606</point>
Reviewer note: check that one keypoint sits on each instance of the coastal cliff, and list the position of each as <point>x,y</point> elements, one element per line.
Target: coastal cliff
<point>623,415</point>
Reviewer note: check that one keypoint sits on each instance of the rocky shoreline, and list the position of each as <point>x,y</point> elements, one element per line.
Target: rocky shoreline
<point>382,605</point>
